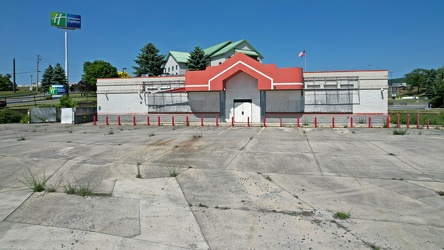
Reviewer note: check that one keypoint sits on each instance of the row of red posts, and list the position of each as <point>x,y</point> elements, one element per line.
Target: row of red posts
<point>398,125</point>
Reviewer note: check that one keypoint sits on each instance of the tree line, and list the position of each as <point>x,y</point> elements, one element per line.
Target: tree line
<point>428,82</point>
<point>149,62</point>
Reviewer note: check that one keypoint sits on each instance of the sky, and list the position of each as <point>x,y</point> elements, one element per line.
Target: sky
<point>393,35</point>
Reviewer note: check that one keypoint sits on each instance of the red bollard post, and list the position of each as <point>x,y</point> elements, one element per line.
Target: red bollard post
<point>299,122</point>
<point>186,121</point>
<point>280,119</point>
<point>408,120</point>
<point>428,123</point>
<point>95,120</point>
<point>248,121</point>
<point>134,120</point>
<point>398,121</point>
<point>147,120</point>
<point>351,122</point>
<point>232,121</point>
<point>106,120</point>
<point>369,122</point>
<point>332,121</point>
<point>316,122</point>
<point>158,121</point>
<point>201,121</point>
<point>417,120</point>
<point>172,121</point>
<point>217,121</point>
<point>118,120</point>
<point>265,121</point>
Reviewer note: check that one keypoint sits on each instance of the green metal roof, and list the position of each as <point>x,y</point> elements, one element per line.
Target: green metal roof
<point>180,57</point>
<point>213,49</point>
<point>247,52</point>
<point>233,46</point>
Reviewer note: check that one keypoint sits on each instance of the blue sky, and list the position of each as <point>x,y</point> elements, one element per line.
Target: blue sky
<point>396,35</point>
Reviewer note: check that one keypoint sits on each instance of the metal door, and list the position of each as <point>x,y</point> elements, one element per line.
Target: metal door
<point>242,110</point>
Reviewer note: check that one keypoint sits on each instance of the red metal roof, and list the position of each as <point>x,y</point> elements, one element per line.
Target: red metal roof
<point>269,77</point>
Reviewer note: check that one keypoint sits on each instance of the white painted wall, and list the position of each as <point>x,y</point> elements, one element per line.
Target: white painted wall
<point>242,86</point>
<point>284,101</point>
<point>369,94</point>
<point>174,68</point>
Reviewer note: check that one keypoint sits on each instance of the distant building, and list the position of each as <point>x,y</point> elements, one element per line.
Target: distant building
<point>176,61</point>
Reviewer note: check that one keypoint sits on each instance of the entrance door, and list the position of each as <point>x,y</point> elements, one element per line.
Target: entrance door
<point>242,110</point>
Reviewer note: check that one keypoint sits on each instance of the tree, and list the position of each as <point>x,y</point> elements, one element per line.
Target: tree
<point>197,60</point>
<point>416,78</point>
<point>5,82</point>
<point>59,76</point>
<point>149,61</point>
<point>46,78</point>
<point>97,69</point>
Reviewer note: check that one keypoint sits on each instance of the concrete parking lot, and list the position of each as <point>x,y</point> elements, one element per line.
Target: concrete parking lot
<point>221,187</point>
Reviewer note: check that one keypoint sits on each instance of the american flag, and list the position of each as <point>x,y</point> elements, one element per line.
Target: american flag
<point>302,53</point>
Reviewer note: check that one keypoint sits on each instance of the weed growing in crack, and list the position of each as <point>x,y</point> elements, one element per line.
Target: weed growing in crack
<point>37,184</point>
<point>342,215</point>
<point>138,175</point>
<point>268,177</point>
<point>79,189</point>
<point>400,131</point>
<point>173,172</point>
<point>202,205</point>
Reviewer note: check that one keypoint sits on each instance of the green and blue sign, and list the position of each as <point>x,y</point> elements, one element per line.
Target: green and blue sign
<point>57,90</point>
<point>66,21</point>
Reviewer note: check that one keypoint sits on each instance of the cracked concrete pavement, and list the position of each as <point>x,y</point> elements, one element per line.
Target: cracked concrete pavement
<point>221,187</point>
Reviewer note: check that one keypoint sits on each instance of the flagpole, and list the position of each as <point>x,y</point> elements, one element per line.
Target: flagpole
<point>305,60</point>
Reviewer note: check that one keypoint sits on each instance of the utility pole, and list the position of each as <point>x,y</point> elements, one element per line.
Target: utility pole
<point>13,75</point>
<point>37,75</point>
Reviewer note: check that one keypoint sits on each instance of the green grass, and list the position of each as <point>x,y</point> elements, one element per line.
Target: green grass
<point>440,193</point>
<point>37,184</point>
<point>342,215</point>
<point>79,189</point>
<point>173,172</point>
<point>399,131</point>
<point>435,118</point>
<point>202,205</point>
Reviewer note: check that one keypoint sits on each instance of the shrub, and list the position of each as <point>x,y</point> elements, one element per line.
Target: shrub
<point>66,102</point>
<point>10,116</point>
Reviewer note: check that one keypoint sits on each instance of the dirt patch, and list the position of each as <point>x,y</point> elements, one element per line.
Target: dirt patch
<point>161,142</point>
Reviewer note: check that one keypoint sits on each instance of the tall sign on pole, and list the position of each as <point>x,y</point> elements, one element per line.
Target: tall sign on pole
<point>67,22</point>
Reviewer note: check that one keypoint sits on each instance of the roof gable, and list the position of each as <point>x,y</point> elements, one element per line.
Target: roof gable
<point>180,57</point>
<point>213,49</point>
<point>232,46</point>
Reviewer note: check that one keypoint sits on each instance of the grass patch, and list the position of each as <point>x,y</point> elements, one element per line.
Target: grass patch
<point>435,118</point>
<point>399,131</point>
<point>342,215</point>
<point>268,178</point>
<point>80,189</point>
<point>173,172</point>
<point>202,205</point>
<point>151,134</point>
<point>111,132</point>
<point>197,135</point>
<point>440,193</point>
<point>37,184</point>
<point>138,175</point>
<point>222,208</point>
<point>391,154</point>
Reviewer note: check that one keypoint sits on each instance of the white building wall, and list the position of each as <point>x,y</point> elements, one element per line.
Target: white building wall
<point>369,92</point>
<point>284,101</point>
<point>242,86</point>
<point>172,67</point>
<point>215,61</point>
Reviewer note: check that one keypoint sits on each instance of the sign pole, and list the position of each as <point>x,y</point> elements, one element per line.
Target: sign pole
<point>66,56</point>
